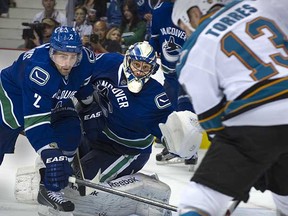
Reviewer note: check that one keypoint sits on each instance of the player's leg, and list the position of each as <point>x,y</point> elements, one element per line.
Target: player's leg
<point>111,165</point>
<point>232,165</point>
<point>214,205</point>
<point>8,139</point>
<point>281,203</point>
<point>276,179</point>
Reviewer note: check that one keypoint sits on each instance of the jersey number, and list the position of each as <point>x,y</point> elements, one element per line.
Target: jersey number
<point>232,45</point>
<point>38,98</point>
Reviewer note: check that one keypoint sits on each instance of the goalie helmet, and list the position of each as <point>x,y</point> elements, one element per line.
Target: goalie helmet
<point>139,52</point>
<point>181,8</point>
<point>66,39</point>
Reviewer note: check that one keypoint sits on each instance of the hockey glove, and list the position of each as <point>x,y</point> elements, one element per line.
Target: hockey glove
<point>57,170</point>
<point>182,133</point>
<point>100,95</point>
<point>93,120</point>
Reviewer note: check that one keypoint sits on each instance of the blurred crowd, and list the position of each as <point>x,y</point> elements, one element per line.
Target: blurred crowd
<point>104,25</point>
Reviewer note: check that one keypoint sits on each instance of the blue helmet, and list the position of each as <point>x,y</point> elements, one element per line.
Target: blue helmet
<point>66,39</point>
<point>140,51</point>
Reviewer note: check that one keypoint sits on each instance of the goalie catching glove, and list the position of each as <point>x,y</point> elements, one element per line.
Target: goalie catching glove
<point>182,133</point>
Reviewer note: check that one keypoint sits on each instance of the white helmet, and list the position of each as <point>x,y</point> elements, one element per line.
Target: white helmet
<point>181,8</point>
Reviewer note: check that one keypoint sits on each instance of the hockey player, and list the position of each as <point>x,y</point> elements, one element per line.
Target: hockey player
<point>167,39</point>
<point>36,94</point>
<point>234,66</point>
<point>134,104</point>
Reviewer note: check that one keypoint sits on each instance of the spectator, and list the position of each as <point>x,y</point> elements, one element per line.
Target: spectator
<point>91,16</point>
<point>133,29</point>
<point>81,26</point>
<point>40,34</point>
<point>145,13</point>
<point>4,7</point>
<point>50,12</point>
<point>114,13</point>
<point>99,6</point>
<point>49,24</point>
<point>100,29</point>
<point>113,38</point>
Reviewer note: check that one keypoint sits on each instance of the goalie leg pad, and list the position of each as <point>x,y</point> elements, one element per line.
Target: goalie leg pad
<point>100,202</point>
<point>103,203</point>
<point>27,184</point>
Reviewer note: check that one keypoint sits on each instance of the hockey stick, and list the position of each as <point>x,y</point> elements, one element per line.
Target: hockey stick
<point>232,207</point>
<point>123,194</point>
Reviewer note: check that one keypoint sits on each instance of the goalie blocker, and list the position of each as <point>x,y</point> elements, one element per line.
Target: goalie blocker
<point>182,133</point>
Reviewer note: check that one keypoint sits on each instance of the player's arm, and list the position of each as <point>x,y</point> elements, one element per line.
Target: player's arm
<point>37,105</point>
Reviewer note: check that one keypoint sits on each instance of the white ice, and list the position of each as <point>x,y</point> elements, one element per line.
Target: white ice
<point>176,176</point>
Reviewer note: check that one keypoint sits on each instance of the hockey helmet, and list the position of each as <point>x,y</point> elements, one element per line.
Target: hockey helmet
<point>139,57</point>
<point>181,8</point>
<point>66,39</point>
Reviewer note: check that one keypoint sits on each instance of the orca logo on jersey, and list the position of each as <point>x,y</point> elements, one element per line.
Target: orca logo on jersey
<point>56,159</point>
<point>171,50</point>
<point>162,101</point>
<point>90,54</point>
<point>39,76</point>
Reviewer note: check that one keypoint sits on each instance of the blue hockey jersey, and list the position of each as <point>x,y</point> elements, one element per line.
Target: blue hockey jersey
<point>166,38</point>
<point>31,88</point>
<point>133,122</point>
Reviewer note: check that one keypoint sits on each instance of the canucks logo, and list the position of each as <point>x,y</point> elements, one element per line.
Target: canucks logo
<point>171,49</point>
<point>162,101</point>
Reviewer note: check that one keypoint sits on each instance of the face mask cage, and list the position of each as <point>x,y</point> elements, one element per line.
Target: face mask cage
<point>135,83</point>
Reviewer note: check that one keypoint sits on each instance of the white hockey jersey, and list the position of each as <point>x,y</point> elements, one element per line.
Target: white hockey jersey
<point>235,66</point>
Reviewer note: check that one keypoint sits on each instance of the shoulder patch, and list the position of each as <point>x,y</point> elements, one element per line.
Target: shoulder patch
<point>39,76</point>
<point>162,101</point>
<point>90,55</point>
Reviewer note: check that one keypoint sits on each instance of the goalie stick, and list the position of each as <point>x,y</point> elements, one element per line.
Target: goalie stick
<point>78,172</point>
<point>123,194</point>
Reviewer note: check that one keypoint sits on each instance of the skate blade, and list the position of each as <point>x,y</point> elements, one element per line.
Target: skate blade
<point>172,161</point>
<point>48,211</point>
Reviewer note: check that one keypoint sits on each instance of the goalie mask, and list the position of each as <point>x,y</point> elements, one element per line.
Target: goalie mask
<point>181,8</point>
<point>66,40</point>
<point>139,64</point>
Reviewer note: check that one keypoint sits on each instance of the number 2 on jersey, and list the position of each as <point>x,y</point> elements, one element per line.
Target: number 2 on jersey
<point>232,45</point>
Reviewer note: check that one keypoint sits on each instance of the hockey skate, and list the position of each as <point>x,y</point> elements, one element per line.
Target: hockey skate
<point>165,157</point>
<point>192,162</point>
<point>55,202</point>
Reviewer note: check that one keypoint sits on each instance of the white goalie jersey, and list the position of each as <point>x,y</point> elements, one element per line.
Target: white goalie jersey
<point>238,76</point>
